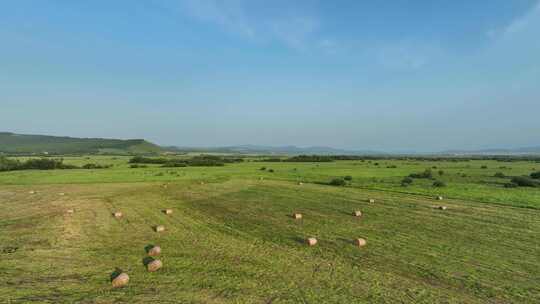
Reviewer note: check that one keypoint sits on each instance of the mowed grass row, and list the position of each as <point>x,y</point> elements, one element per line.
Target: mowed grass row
<point>233,240</point>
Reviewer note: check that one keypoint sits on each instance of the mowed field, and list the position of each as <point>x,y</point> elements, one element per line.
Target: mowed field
<point>231,237</point>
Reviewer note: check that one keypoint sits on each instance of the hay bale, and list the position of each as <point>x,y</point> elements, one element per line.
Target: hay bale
<point>311,241</point>
<point>70,211</point>
<point>371,200</point>
<point>167,211</point>
<point>61,194</point>
<point>442,207</point>
<point>300,183</point>
<point>160,228</point>
<point>120,280</point>
<point>360,242</point>
<point>439,198</point>
<point>31,192</point>
<point>297,216</point>
<point>154,251</point>
<point>118,214</point>
<point>155,265</point>
<point>357,213</point>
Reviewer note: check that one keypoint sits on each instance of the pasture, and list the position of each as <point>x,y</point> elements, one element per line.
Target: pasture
<point>231,237</point>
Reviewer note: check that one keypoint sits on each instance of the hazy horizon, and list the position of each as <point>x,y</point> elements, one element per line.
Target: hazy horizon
<point>397,76</point>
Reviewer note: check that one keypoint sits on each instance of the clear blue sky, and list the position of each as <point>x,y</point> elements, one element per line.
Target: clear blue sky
<point>384,75</point>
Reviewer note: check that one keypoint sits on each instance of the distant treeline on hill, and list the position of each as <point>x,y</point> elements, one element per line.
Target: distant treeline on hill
<point>330,158</point>
<point>197,161</point>
<point>22,144</point>
<point>7,164</point>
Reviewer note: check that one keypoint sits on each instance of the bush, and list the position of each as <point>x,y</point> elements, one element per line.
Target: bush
<point>535,175</point>
<point>441,172</point>
<point>137,166</point>
<point>483,167</point>
<point>348,178</point>
<point>426,174</point>
<point>524,181</point>
<point>33,164</point>
<point>174,164</point>
<point>337,182</point>
<point>271,170</point>
<point>510,185</point>
<point>406,181</point>
<point>263,168</point>
<point>439,184</point>
<point>95,166</point>
<point>499,175</point>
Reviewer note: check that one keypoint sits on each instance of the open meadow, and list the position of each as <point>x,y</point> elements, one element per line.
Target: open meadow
<point>231,237</point>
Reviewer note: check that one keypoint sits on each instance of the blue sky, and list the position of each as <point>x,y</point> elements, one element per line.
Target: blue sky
<point>384,75</point>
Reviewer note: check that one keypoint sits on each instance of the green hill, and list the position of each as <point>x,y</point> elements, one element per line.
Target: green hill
<point>11,143</point>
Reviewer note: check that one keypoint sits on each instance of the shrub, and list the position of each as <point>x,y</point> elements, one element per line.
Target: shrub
<point>499,175</point>
<point>337,182</point>
<point>95,166</point>
<point>263,168</point>
<point>535,175</point>
<point>441,172</point>
<point>510,185</point>
<point>406,181</point>
<point>271,170</point>
<point>348,178</point>
<point>483,167</point>
<point>439,184</point>
<point>524,181</point>
<point>174,164</point>
<point>134,166</point>
<point>426,174</point>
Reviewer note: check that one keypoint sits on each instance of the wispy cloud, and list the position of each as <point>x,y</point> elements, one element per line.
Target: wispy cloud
<point>230,16</point>
<point>531,20</point>
<point>291,28</point>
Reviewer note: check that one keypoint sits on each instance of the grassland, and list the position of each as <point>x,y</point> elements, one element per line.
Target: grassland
<point>231,238</point>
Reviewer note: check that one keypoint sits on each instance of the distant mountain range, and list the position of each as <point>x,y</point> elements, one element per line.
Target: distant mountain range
<point>282,150</point>
<point>11,143</point>
<point>517,151</point>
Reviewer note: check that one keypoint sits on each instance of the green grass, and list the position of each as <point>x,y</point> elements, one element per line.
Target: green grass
<point>232,239</point>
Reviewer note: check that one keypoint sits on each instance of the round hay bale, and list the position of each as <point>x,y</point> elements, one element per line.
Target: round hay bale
<point>297,216</point>
<point>70,211</point>
<point>442,207</point>
<point>31,192</point>
<point>357,213</point>
<point>160,228</point>
<point>371,200</point>
<point>202,183</point>
<point>154,251</point>
<point>118,214</point>
<point>439,198</point>
<point>311,241</point>
<point>300,183</point>
<point>360,242</point>
<point>155,265</point>
<point>120,280</point>
<point>167,211</point>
